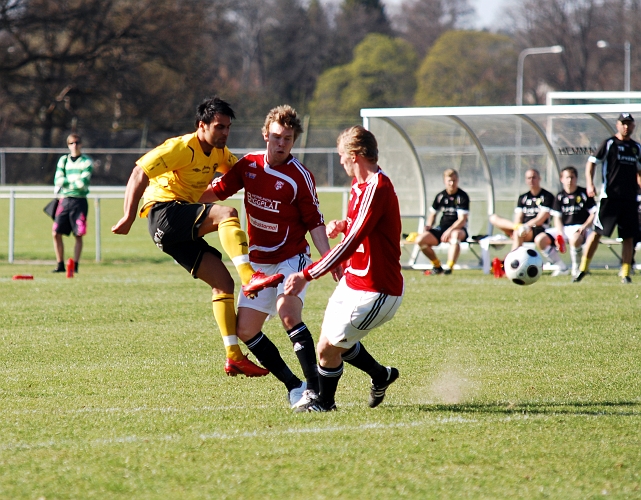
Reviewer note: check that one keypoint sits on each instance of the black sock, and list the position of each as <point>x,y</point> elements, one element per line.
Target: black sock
<point>267,354</point>
<point>359,357</point>
<point>328,381</point>
<point>304,348</point>
<point>75,265</point>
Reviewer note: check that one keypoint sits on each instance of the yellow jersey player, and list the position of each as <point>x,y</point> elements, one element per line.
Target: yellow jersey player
<point>171,179</point>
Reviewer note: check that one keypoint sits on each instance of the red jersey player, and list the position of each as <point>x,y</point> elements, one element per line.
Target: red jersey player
<point>371,290</point>
<point>282,207</point>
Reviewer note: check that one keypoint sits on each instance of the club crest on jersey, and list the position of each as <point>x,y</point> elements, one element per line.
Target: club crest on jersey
<point>578,199</point>
<point>278,185</point>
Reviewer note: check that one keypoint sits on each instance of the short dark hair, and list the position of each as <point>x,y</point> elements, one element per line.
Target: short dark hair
<point>359,141</point>
<point>209,108</point>
<point>571,169</point>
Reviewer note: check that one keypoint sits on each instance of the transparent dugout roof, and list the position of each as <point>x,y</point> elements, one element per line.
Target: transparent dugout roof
<point>490,147</point>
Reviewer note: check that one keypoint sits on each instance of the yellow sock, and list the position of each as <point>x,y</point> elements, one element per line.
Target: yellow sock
<point>585,264</point>
<point>450,264</point>
<point>225,315</point>
<point>234,242</point>
<point>625,270</point>
<point>436,263</point>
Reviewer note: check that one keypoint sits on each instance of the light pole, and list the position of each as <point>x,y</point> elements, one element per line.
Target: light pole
<point>554,49</point>
<point>602,44</point>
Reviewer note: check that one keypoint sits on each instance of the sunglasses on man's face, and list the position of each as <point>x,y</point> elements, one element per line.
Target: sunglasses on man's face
<point>75,142</point>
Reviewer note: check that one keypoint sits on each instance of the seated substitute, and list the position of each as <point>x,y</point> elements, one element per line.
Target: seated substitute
<point>531,214</point>
<point>573,212</point>
<point>452,228</point>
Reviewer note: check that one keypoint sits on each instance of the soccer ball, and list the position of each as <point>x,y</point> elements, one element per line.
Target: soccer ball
<point>523,266</point>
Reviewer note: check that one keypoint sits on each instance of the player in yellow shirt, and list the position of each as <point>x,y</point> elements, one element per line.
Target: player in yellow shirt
<point>171,179</point>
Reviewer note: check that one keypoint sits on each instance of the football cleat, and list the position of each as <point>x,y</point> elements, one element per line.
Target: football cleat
<point>626,280</point>
<point>314,406</point>
<point>434,271</point>
<point>560,272</point>
<point>560,243</point>
<point>307,396</point>
<point>447,271</point>
<point>377,392</point>
<point>579,276</point>
<point>259,281</point>
<point>244,367</point>
<point>296,394</point>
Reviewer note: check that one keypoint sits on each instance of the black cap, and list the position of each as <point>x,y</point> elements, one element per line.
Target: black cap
<point>625,117</point>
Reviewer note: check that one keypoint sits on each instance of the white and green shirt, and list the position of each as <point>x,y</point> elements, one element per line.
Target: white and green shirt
<point>73,176</point>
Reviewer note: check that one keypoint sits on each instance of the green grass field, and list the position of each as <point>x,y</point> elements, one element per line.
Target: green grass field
<point>113,387</point>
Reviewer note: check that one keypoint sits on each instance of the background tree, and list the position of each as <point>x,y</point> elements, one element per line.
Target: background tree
<point>95,60</point>
<point>380,75</point>
<point>468,68</point>
<point>577,25</point>
<point>295,52</point>
<point>353,22</point>
<point>422,22</point>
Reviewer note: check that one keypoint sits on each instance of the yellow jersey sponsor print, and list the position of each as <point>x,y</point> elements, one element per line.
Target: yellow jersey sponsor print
<point>178,169</point>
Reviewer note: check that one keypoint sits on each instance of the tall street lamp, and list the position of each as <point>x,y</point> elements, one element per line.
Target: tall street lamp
<point>602,44</point>
<point>554,49</point>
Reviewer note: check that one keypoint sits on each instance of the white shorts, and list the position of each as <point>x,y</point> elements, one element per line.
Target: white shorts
<point>568,231</point>
<point>352,314</point>
<point>265,301</point>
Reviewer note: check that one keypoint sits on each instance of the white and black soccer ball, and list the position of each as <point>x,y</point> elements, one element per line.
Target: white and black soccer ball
<point>523,266</point>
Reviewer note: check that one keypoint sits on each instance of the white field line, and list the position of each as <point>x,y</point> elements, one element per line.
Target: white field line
<point>267,433</point>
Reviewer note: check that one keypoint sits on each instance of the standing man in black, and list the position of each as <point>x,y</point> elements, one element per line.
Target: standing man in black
<point>620,159</point>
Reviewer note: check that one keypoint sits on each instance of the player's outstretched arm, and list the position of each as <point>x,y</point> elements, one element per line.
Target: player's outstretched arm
<point>136,186</point>
<point>295,283</point>
<point>336,227</point>
<point>208,196</point>
<point>319,237</point>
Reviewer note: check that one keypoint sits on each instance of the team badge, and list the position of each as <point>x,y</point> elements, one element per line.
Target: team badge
<point>251,175</point>
<point>578,199</point>
<point>278,185</point>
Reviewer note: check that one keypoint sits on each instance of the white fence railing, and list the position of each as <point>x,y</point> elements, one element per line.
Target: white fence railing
<point>104,192</point>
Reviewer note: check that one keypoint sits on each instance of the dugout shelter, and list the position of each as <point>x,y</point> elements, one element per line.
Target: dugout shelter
<point>491,147</point>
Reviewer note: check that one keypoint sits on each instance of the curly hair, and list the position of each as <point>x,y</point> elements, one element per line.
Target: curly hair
<point>285,116</point>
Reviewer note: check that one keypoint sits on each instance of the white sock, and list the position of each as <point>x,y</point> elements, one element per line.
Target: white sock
<point>553,256</point>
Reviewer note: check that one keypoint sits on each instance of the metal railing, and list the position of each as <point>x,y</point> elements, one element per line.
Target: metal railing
<point>105,192</point>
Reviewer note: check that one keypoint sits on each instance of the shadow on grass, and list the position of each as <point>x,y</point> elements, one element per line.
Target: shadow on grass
<point>614,408</point>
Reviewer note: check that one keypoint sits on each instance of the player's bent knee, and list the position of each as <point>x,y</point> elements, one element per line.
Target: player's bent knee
<point>221,212</point>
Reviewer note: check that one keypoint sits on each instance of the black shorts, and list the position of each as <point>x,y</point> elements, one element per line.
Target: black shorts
<point>438,232</point>
<point>71,216</point>
<point>617,212</point>
<point>174,225</point>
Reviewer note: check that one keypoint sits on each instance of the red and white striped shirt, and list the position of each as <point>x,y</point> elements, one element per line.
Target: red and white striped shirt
<point>371,242</point>
<point>281,204</point>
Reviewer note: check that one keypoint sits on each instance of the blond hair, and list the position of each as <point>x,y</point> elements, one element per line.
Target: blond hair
<point>359,141</point>
<point>285,116</point>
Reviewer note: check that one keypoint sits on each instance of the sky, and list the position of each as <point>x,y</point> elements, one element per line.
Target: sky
<point>487,11</point>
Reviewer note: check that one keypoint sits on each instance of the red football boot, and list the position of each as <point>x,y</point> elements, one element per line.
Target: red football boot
<point>560,243</point>
<point>259,281</point>
<point>244,367</point>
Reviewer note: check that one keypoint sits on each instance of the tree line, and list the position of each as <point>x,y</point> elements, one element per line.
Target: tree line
<point>111,66</point>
